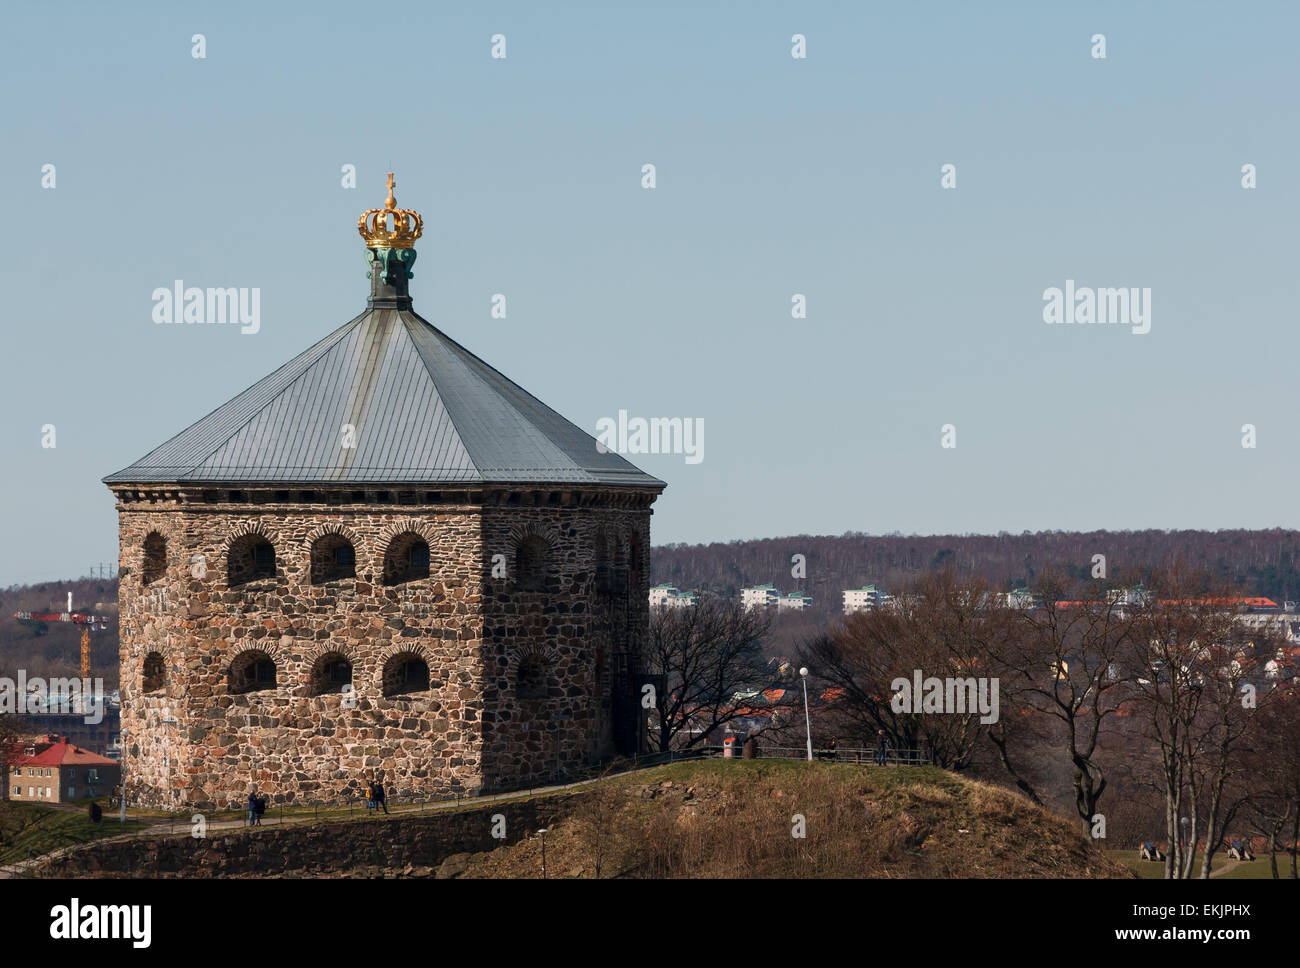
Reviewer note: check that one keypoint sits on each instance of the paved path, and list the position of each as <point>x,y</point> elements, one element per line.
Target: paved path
<point>1227,866</point>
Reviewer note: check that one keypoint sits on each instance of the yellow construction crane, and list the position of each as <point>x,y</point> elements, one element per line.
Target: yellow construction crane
<point>86,621</point>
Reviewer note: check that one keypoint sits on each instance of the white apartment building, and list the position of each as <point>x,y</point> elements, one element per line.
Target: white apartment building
<point>795,600</point>
<point>669,596</point>
<point>759,596</point>
<point>660,595</point>
<point>863,599</point>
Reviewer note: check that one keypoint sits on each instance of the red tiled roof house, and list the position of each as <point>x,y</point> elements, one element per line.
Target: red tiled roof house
<point>56,771</point>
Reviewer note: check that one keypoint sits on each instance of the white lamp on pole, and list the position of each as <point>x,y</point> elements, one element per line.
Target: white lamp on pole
<point>803,673</point>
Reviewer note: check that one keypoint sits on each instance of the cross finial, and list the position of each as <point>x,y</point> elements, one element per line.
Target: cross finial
<point>391,202</point>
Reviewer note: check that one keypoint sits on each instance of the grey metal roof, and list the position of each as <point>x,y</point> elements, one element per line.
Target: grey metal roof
<point>425,409</point>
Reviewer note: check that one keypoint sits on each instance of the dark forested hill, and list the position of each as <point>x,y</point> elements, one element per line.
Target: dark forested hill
<point>1264,562</point>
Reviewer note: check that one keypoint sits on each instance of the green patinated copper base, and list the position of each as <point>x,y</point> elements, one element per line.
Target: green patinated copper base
<point>395,263</point>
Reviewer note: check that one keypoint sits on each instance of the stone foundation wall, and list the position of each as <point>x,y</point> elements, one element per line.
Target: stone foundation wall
<point>359,848</point>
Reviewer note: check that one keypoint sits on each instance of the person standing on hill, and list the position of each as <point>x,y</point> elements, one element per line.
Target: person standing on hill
<point>882,746</point>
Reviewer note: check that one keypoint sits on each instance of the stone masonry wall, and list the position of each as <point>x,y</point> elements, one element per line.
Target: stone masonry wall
<point>193,742</point>
<point>576,628</point>
<point>332,848</point>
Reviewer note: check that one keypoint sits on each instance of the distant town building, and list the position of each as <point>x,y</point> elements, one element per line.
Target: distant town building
<point>101,737</point>
<point>759,596</point>
<point>864,599</point>
<point>660,594</point>
<point>669,596</point>
<point>795,600</point>
<point>1136,596</point>
<point>1281,625</point>
<point>1020,598</point>
<point>54,770</point>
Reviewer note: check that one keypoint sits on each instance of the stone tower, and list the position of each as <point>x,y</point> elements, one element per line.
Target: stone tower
<point>383,557</point>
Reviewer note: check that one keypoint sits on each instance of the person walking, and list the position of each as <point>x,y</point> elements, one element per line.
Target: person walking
<point>881,747</point>
<point>379,793</point>
<point>252,807</point>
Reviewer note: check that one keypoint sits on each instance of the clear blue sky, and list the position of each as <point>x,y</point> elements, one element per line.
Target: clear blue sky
<point>775,176</point>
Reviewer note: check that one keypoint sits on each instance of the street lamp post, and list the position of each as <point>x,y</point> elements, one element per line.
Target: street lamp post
<point>803,673</point>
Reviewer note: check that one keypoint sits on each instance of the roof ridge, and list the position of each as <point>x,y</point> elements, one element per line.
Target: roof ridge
<point>472,361</point>
<point>458,357</point>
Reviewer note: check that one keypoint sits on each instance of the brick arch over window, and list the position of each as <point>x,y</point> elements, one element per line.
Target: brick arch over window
<point>533,672</point>
<point>532,563</point>
<point>396,529</point>
<point>331,671</point>
<point>154,677</point>
<point>406,557</point>
<point>154,565</point>
<point>405,671</point>
<point>252,670</point>
<point>250,555</point>
<point>333,554</point>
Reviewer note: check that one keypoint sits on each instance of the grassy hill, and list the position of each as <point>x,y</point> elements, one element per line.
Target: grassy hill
<point>738,818</point>
<point>30,829</point>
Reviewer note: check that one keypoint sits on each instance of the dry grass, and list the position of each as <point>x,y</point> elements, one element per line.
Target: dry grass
<point>737,818</point>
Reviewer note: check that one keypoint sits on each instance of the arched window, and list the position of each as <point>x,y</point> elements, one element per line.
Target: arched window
<point>531,678</point>
<point>251,558</point>
<point>155,676</point>
<point>407,559</point>
<point>405,673</point>
<point>330,673</point>
<point>530,563</point>
<point>252,671</point>
<point>155,558</point>
<point>332,559</point>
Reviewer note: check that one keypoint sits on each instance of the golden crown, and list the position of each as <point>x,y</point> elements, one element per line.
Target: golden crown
<point>406,225</point>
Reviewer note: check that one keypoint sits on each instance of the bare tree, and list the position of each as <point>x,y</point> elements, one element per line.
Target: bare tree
<point>1181,638</point>
<point>945,627</point>
<point>1272,766</point>
<point>1064,663</point>
<point>1223,732</point>
<point>707,656</point>
<point>11,749</point>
